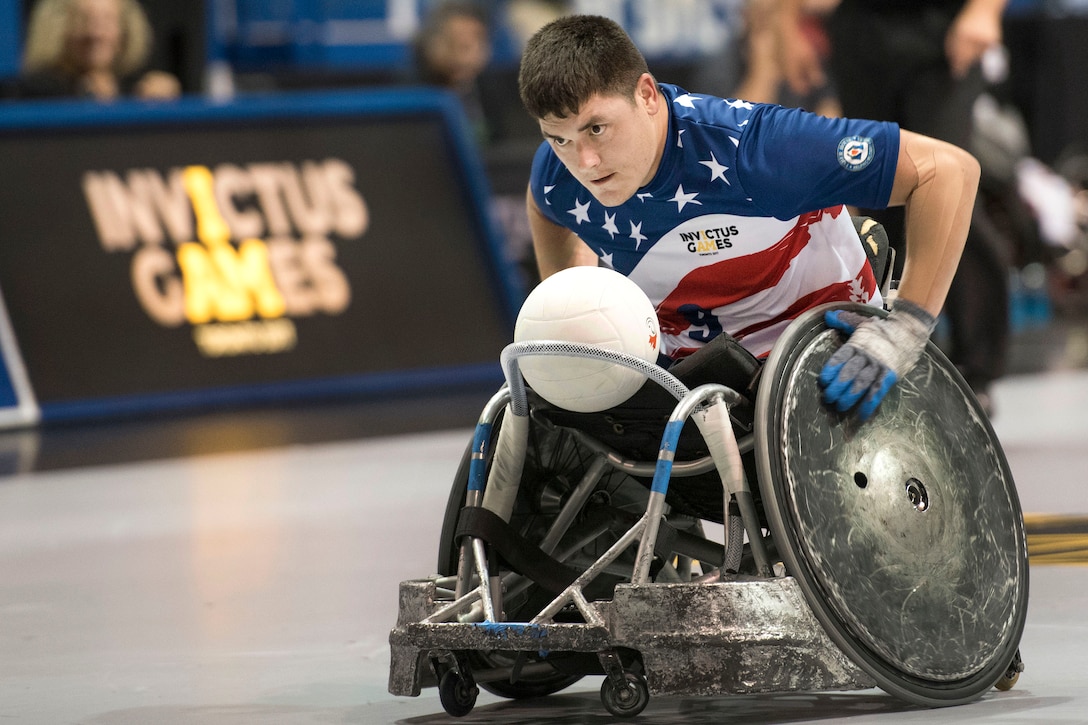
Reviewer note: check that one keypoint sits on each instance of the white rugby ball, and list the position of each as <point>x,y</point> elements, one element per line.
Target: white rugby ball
<point>594,306</point>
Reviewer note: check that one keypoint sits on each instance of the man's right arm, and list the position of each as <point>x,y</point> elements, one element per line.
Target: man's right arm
<point>555,247</point>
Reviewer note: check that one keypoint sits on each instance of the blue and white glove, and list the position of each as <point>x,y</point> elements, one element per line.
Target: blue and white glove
<point>879,352</point>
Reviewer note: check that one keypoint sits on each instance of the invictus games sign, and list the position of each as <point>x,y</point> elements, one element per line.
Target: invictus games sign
<point>152,252</point>
<point>235,252</point>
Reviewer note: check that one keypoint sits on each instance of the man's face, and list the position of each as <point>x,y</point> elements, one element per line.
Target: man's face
<point>613,144</point>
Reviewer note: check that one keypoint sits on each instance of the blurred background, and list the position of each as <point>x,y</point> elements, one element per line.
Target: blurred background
<point>249,89</point>
<point>258,259</point>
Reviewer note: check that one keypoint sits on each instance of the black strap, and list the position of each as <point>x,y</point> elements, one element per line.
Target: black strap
<point>528,559</point>
<point>519,553</point>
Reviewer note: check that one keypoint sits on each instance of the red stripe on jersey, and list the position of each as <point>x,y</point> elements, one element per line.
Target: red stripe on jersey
<point>681,352</point>
<point>722,283</point>
<point>839,292</point>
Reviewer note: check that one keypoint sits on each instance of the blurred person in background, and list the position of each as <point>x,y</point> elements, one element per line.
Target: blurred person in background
<point>750,67</point>
<point>917,63</point>
<point>451,50</point>
<point>95,49</point>
<point>525,17</point>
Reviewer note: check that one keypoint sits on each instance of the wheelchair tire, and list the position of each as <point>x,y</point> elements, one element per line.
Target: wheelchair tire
<point>536,685</point>
<point>905,533</point>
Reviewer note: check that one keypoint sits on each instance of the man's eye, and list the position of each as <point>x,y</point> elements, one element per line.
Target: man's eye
<point>596,130</point>
<point>559,141</point>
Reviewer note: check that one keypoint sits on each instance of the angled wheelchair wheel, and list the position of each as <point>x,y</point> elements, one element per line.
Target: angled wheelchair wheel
<point>536,685</point>
<point>905,532</point>
<point>555,462</point>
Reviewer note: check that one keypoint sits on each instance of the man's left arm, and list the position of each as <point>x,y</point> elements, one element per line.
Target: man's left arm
<point>936,182</point>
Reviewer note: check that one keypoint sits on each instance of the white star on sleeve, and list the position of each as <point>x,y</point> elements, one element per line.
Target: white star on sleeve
<point>687,100</point>
<point>580,211</point>
<point>637,235</point>
<point>680,138</point>
<point>610,225</point>
<point>644,197</point>
<point>548,190</point>
<point>607,259</point>
<point>739,104</point>
<point>717,171</point>
<point>683,199</point>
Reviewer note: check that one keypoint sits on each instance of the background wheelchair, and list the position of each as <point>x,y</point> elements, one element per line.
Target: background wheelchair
<point>769,545</point>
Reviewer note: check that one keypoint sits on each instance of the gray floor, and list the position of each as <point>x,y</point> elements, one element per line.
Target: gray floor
<point>258,584</point>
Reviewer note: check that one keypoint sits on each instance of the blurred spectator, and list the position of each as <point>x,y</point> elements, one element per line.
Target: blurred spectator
<point>917,62</point>
<point>451,50</point>
<point>525,17</point>
<point>1033,205</point>
<point>751,68</point>
<point>94,49</point>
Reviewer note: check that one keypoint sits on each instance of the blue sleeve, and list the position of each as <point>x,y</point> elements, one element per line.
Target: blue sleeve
<point>791,161</point>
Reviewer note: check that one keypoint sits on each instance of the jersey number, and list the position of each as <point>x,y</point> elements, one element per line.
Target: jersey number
<point>699,317</point>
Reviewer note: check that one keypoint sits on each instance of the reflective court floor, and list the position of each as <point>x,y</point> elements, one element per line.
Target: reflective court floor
<point>243,568</point>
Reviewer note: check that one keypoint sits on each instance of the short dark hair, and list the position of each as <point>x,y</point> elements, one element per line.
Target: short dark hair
<point>570,59</point>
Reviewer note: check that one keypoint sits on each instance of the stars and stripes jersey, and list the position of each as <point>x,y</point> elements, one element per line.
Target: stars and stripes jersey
<point>743,226</point>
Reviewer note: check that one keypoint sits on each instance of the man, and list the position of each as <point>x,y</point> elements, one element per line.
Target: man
<point>730,215</point>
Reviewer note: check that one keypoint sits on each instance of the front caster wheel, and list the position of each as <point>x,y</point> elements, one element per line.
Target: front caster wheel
<point>456,694</point>
<point>627,700</point>
<point>1012,674</point>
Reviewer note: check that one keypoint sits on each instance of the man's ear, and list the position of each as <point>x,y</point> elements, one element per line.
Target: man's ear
<point>646,93</point>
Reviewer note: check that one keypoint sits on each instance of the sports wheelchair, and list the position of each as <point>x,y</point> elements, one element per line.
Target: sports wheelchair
<point>886,554</point>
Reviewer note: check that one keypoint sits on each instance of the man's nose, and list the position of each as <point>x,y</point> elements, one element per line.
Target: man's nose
<point>588,158</point>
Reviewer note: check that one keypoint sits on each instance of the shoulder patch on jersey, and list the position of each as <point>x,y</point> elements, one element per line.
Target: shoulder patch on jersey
<point>855,152</point>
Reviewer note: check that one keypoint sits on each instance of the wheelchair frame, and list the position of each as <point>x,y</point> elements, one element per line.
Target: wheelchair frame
<point>723,632</point>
